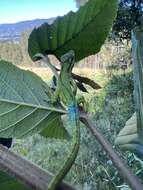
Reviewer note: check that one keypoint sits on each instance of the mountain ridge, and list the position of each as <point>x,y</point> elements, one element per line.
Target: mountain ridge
<point>13,31</point>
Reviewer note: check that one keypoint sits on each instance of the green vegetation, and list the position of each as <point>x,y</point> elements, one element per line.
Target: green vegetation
<point>26,105</point>
<point>74,31</point>
<point>111,107</point>
<point>29,105</point>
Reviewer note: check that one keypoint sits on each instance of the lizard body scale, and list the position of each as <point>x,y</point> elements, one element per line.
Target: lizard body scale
<point>66,90</point>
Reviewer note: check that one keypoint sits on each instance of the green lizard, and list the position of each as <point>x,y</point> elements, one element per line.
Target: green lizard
<point>66,91</point>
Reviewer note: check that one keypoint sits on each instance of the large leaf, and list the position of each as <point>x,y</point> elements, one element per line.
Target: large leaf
<point>25,106</point>
<point>129,137</point>
<point>10,183</point>
<point>84,31</point>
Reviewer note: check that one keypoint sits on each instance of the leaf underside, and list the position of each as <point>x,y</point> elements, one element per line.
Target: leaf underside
<point>129,137</point>
<point>84,31</point>
<point>25,106</point>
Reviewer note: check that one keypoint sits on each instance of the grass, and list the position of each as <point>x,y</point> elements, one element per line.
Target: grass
<point>111,107</point>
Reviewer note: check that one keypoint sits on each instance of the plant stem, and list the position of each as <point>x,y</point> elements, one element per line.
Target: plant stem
<point>27,172</point>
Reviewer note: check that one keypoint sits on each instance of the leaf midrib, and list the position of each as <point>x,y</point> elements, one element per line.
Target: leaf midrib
<point>34,105</point>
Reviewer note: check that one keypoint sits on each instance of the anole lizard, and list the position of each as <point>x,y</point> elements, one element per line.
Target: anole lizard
<point>66,91</point>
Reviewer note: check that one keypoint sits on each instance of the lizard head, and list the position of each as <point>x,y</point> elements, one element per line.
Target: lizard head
<point>68,60</point>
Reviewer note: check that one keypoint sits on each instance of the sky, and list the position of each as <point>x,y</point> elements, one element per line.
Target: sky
<point>12,11</point>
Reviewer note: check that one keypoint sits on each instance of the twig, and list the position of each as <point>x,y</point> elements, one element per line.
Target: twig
<point>28,173</point>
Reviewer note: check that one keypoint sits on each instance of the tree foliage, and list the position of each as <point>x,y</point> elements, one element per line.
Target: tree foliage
<point>128,16</point>
<point>11,51</point>
<point>16,52</point>
<point>26,101</point>
<point>88,27</point>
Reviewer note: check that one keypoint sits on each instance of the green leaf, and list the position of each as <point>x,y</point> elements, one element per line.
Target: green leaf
<point>10,183</point>
<point>54,130</point>
<point>25,106</point>
<point>84,31</point>
<point>129,138</point>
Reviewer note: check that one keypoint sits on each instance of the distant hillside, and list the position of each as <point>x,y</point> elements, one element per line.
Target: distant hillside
<point>10,32</point>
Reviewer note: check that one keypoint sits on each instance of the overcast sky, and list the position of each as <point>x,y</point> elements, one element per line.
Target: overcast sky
<point>18,10</point>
